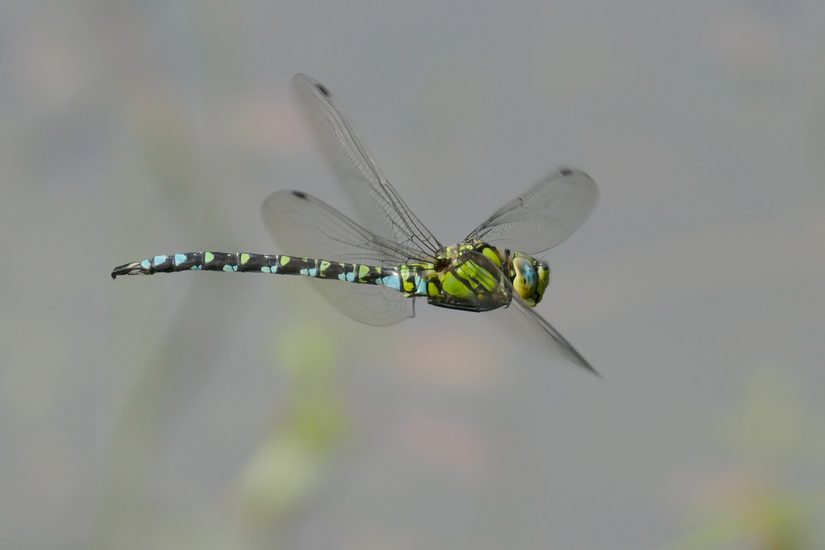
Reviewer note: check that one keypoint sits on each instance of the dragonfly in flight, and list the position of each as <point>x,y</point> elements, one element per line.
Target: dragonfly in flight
<point>392,257</point>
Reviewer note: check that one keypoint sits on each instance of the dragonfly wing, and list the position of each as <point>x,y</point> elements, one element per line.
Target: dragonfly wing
<point>528,322</point>
<point>371,305</point>
<point>520,317</point>
<point>544,216</point>
<point>306,226</point>
<point>379,206</point>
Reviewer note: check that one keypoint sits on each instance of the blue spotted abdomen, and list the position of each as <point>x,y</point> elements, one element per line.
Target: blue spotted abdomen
<point>406,279</point>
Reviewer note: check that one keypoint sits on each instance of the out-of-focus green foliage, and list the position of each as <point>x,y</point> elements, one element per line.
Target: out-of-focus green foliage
<point>760,506</point>
<point>292,460</point>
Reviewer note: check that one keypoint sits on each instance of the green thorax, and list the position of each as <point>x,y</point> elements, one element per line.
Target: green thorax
<point>475,275</point>
<point>468,276</point>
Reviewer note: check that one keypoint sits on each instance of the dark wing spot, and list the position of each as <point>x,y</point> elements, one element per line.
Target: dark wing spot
<point>300,194</point>
<point>322,89</point>
<point>566,171</point>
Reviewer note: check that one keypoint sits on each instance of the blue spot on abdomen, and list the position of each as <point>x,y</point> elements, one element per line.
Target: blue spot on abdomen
<point>392,281</point>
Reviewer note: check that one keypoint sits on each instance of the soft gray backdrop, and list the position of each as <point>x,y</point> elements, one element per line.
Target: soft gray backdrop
<point>216,411</point>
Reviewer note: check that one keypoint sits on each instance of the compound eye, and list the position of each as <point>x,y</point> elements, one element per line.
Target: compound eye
<point>544,278</point>
<point>526,279</point>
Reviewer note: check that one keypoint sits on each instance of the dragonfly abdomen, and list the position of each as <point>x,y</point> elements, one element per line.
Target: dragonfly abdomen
<point>405,279</point>
<point>201,261</point>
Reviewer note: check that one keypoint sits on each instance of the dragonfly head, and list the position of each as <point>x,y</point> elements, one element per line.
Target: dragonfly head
<point>530,277</point>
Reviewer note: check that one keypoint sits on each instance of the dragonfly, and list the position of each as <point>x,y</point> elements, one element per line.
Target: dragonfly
<point>389,256</point>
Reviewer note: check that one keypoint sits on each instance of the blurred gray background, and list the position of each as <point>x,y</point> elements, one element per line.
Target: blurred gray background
<point>215,411</point>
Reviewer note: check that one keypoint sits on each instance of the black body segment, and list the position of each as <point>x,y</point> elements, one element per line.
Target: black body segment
<point>280,264</point>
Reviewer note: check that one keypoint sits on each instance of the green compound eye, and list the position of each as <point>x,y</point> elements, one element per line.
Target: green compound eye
<point>544,280</point>
<point>526,278</point>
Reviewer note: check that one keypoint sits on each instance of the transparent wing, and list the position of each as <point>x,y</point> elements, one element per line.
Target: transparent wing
<point>305,226</point>
<point>544,216</point>
<point>528,322</point>
<point>378,205</point>
<point>371,305</point>
<point>523,319</point>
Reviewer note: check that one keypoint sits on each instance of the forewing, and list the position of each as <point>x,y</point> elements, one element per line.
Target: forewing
<point>378,205</point>
<point>544,216</point>
<point>305,226</point>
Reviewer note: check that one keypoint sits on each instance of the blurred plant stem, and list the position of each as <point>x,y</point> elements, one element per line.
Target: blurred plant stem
<point>279,477</point>
<point>165,152</point>
<point>291,462</point>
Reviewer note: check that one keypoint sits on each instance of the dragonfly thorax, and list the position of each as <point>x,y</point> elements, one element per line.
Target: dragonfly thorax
<point>528,276</point>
